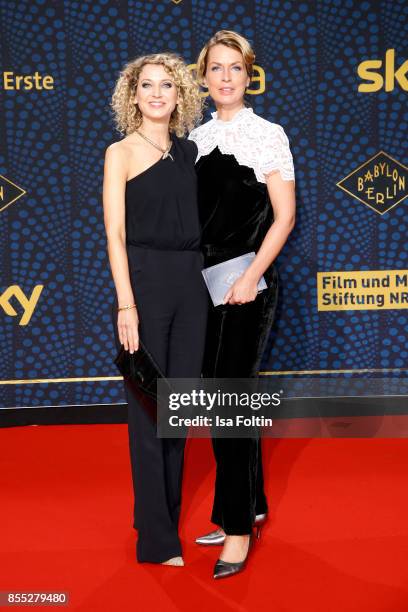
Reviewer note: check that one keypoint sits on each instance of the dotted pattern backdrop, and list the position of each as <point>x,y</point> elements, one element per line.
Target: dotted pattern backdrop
<point>53,143</point>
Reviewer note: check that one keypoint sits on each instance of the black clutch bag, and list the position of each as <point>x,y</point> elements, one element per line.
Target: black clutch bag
<point>141,368</point>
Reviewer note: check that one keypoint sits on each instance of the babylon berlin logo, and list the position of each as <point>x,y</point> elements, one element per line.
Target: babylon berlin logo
<point>380,183</point>
<point>9,192</point>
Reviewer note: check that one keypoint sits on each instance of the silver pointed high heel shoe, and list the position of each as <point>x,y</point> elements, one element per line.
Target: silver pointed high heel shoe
<point>217,537</point>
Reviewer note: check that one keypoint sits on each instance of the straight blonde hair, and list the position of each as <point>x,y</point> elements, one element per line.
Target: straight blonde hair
<point>229,39</point>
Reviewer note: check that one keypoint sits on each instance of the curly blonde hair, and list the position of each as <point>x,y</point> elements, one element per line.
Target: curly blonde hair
<point>187,113</point>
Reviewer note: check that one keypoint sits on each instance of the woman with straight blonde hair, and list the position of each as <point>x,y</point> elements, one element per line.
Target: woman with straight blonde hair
<point>246,201</point>
<point>153,233</point>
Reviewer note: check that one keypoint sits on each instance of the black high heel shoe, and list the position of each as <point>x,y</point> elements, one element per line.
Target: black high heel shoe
<point>224,569</point>
<point>217,537</point>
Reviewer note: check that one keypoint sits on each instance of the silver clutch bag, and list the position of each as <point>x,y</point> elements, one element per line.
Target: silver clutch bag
<point>222,276</point>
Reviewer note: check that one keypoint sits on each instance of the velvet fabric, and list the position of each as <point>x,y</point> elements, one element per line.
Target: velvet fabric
<point>235,214</point>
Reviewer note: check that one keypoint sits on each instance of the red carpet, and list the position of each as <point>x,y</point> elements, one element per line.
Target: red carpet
<point>336,540</point>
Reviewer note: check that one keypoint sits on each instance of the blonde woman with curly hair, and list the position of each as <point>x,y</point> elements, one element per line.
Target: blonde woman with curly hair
<point>153,238</point>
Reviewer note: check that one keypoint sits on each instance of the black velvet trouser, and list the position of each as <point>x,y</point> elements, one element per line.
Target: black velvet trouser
<point>235,341</point>
<point>172,304</point>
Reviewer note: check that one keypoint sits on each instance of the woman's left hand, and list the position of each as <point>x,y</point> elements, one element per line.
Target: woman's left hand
<point>244,290</point>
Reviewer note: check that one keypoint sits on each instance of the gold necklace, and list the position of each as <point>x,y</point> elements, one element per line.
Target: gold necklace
<point>166,151</point>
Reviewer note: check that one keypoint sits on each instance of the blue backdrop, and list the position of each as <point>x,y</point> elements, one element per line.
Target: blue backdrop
<point>332,73</point>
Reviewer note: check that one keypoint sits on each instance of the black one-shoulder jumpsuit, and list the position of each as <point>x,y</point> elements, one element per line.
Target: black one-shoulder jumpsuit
<point>165,263</point>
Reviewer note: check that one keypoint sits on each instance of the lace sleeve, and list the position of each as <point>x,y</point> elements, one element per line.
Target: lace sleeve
<point>276,154</point>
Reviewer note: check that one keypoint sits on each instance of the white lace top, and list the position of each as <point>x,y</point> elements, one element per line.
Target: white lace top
<point>251,139</point>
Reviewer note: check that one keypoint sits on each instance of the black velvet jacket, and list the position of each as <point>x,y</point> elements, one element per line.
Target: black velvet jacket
<point>235,210</point>
<point>235,214</point>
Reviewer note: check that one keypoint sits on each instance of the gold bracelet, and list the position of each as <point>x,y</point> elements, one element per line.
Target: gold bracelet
<point>127,307</point>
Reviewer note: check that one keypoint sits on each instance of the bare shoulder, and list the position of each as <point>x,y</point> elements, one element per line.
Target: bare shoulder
<point>116,156</point>
<point>115,165</point>
<point>117,149</point>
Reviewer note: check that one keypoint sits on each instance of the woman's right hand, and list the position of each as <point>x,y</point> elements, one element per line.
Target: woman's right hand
<point>128,328</point>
